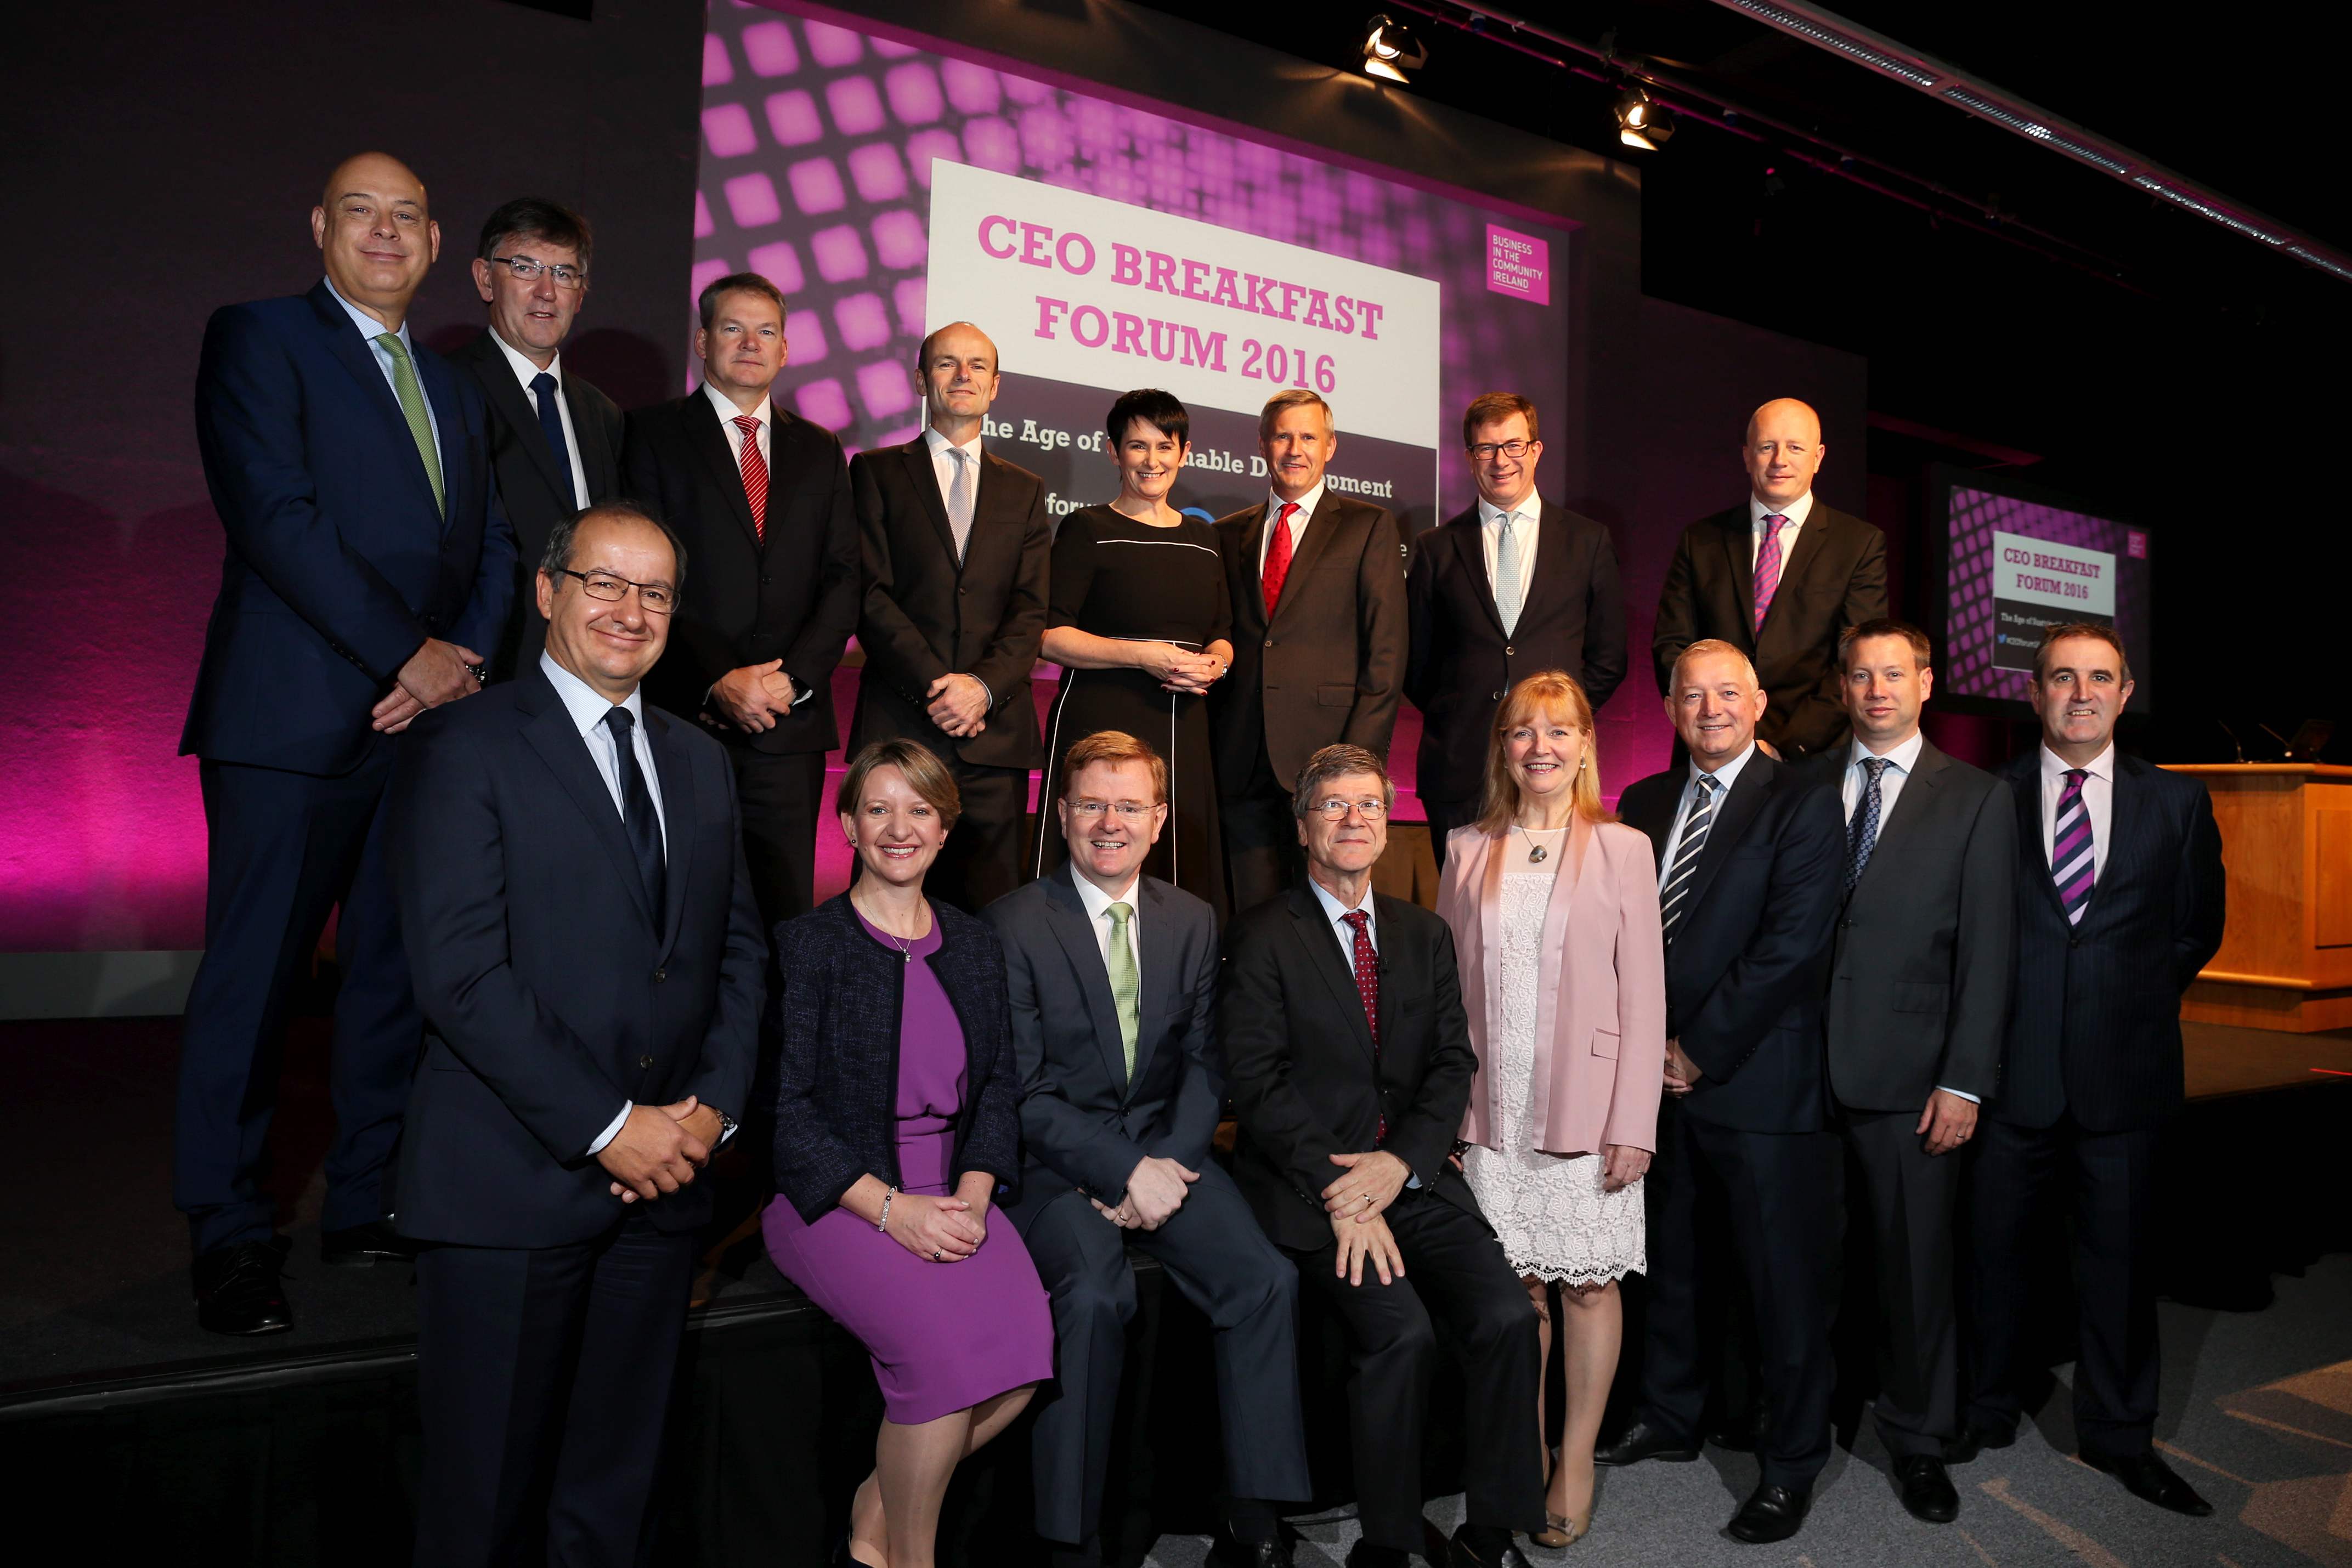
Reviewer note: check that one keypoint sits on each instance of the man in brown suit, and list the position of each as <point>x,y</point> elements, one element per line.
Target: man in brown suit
<point>1778,579</point>
<point>1318,642</point>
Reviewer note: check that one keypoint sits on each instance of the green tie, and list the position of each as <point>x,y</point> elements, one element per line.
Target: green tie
<point>412,408</point>
<point>1126,986</point>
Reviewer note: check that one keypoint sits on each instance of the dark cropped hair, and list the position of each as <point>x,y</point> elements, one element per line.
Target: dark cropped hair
<point>2098,631</point>
<point>1157,409</point>
<point>556,559</point>
<point>1492,408</point>
<point>705,306</point>
<point>539,219</point>
<point>1922,650</point>
<point>1336,761</point>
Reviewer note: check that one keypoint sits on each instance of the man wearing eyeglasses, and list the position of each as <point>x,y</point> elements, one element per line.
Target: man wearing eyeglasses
<point>1114,985</point>
<point>555,440</point>
<point>1514,585</point>
<point>367,570</point>
<point>1350,1052</point>
<point>761,497</point>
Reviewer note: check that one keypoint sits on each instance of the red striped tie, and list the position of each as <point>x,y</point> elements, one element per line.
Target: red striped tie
<point>755,475</point>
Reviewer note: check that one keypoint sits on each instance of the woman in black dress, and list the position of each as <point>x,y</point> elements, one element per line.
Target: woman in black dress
<point>1137,622</point>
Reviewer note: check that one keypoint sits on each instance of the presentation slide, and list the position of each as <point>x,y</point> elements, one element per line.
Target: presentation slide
<point>889,185</point>
<point>2018,561</point>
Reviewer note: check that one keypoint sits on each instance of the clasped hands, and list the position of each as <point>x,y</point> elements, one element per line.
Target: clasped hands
<point>959,705</point>
<point>435,674</point>
<point>946,1229</point>
<point>1155,1189</point>
<point>1179,669</point>
<point>1682,1072</point>
<point>751,698</point>
<point>660,1148</point>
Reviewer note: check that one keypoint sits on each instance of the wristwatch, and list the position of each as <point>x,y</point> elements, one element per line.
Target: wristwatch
<point>726,1124</point>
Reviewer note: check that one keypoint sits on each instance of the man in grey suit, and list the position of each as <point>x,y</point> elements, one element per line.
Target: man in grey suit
<point>1918,1002</point>
<point>1114,987</point>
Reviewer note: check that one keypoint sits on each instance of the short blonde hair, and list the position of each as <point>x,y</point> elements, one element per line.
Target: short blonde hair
<point>925,774</point>
<point>1289,398</point>
<point>1547,693</point>
<point>1707,648</point>
<point>1114,747</point>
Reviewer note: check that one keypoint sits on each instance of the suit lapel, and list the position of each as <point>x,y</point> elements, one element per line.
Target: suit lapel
<point>1548,587</point>
<point>598,461</point>
<point>1156,954</point>
<point>1323,955</point>
<point>1075,932</point>
<point>1795,564</point>
<point>917,455</point>
<point>439,385</point>
<point>1249,599</point>
<point>1739,539</point>
<point>515,407</point>
<point>1733,817</point>
<point>2126,816</point>
<point>357,355</point>
<point>558,745</point>
<point>675,768</point>
<point>2026,790</point>
<point>1470,547</point>
<point>1915,801</point>
<point>1656,822</point>
<point>1316,544</point>
<point>715,452</point>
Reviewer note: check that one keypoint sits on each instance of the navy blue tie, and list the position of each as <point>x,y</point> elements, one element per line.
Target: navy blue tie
<point>637,810</point>
<point>550,424</point>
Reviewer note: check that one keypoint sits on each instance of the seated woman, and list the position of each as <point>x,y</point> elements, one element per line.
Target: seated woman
<point>1554,907</point>
<point>896,1119</point>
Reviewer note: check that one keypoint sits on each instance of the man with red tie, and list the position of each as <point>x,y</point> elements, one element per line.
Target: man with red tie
<point>1778,580</point>
<point>759,498</point>
<point>1317,585</point>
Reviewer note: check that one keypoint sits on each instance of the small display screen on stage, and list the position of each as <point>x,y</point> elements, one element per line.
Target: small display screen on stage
<point>890,184</point>
<point>2016,560</point>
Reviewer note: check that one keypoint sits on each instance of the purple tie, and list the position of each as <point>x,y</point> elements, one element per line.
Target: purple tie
<point>2072,864</point>
<point>1767,568</point>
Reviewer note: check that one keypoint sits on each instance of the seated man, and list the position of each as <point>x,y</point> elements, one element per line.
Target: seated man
<point>1351,1064</point>
<point>1113,978</point>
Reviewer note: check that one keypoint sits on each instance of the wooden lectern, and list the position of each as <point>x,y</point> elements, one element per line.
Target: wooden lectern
<point>2286,961</point>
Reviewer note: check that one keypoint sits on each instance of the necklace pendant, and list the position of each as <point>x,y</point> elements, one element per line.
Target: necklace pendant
<point>1537,854</point>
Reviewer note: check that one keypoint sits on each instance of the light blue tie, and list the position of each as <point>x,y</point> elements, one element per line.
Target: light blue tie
<point>1510,594</point>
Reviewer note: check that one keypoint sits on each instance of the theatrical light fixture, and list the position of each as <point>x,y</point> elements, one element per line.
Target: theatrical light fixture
<point>1391,49</point>
<point>1641,122</point>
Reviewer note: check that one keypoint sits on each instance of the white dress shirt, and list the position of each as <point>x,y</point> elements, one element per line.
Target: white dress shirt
<point>1098,904</point>
<point>371,328</point>
<point>1530,513</point>
<point>524,370</point>
<point>1796,512</point>
<point>2098,799</point>
<point>1725,777</point>
<point>944,466</point>
<point>1298,521</point>
<point>1900,762</point>
<point>727,413</point>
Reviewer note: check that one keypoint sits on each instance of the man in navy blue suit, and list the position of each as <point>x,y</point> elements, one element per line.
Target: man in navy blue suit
<point>366,564</point>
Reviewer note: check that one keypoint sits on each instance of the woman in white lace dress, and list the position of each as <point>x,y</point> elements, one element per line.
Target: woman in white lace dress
<point>1554,909</point>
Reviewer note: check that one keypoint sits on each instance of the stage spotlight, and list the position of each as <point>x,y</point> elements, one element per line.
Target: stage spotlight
<point>1641,123</point>
<point>1391,49</point>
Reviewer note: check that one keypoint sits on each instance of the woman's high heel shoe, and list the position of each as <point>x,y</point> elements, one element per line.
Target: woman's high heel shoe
<point>1561,1532</point>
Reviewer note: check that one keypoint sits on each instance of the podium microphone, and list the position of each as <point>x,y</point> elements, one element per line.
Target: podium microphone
<point>2234,741</point>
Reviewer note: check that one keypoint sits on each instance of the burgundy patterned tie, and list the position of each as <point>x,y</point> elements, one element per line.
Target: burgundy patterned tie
<point>2073,865</point>
<point>1767,568</point>
<point>755,475</point>
<point>1368,987</point>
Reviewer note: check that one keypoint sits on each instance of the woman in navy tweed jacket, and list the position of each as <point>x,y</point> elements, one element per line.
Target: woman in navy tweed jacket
<point>896,1120</point>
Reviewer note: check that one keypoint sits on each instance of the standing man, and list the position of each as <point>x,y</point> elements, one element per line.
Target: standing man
<point>2119,904</point>
<point>1318,587</point>
<point>1779,579</point>
<point>367,561</point>
<point>1352,1064</point>
<point>589,959</point>
<point>1919,1001</point>
<point>1114,985</point>
<point>555,440</point>
<point>760,496</point>
<point>1750,864</point>
<point>1514,585</point>
<point>957,555</point>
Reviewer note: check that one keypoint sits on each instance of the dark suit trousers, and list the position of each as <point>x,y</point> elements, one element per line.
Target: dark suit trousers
<point>782,801</point>
<point>1453,1271</point>
<point>1263,857</point>
<point>287,848</point>
<point>981,861</point>
<point>2018,1177</point>
<point>1445,816</point>
<point>1214,1252</point>
<point>542,1381</point>
<point>1912,1196</point>
<point>1778,1197</point>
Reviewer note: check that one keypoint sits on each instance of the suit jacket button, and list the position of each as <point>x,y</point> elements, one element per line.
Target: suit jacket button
<point>1269,642</point>
<point>645,1062</point>
<point>1508,650</point>
<point>2073,941</point>
<point>1498,696</point>
<point>765,580</point>
<point>661,974</point>
<point>963,593</point>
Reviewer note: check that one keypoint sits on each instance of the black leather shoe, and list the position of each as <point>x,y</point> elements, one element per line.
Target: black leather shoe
<point>1643,1441</point>
<point>1974,1439</point>
<point>1227,1552</point>
<point>1738,1433</point>
<point>1927,1488</point>
<point>1769,1514</point>
<point>2145,1475</point>
<point>238,1289</point>
<point>1483,1546</point>
<point>363,1246</point>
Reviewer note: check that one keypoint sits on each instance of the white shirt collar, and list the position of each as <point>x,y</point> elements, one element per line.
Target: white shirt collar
<point>940,444</point>
<point>521,362</point>
<point>765,413</point>
<point>584,703</point>
<point>1307,505</point>
<point>1335,911</point>
<point>1490,516</point>
<point>1906,756</point>
<point>1728,774</point>
<point>2102,767</point>
<point>370,328</point>
<point>1098,903</point>
<point>1796,511</point>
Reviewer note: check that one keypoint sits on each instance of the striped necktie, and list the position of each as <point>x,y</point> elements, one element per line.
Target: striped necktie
<point>1673,897</point>
<point>2073,865</point>
<point>1767,568</point>
<point>1862,833</point>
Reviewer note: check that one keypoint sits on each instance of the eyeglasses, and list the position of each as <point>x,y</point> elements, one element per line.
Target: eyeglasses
<point>1487,451</point>
<point>658,598</point>
<point>1125,810</point>
<point>527,270</point>
<point>1336,810</point>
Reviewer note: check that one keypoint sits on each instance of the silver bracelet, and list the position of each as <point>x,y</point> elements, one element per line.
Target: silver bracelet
<point>884,1223</point>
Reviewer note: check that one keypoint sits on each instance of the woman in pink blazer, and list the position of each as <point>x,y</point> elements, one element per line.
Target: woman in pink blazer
<point>1554,909</point>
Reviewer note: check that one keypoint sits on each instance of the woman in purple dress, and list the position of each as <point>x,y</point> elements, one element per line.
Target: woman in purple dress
<point>896,1120</point>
